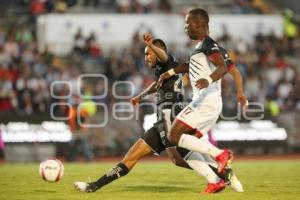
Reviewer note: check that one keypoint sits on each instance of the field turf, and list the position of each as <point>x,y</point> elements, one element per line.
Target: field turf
<point>266,180</point>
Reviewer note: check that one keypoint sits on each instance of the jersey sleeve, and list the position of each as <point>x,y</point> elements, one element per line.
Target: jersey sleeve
<point>169,62</point>
<point>211,48</point>
<point>229,63</point>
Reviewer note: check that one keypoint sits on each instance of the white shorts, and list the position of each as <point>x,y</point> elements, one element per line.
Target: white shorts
<point>201,116</point>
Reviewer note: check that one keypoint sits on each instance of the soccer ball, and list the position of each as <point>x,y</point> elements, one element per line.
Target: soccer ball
<point>51,170</point>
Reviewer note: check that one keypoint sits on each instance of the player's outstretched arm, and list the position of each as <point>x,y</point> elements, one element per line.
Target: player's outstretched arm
<point>221,70</point>
<point>162,55</point>
<point>181,69</point>
<point>149,90</point>
<point>241,97</point>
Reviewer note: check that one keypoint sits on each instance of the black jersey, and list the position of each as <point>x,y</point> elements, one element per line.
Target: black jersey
<point>171,89</point>
<point>170,93</point>
<point>169,104</point>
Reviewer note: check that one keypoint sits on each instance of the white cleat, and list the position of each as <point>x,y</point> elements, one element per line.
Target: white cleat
<point>235,184</point>
<point>81,186</point>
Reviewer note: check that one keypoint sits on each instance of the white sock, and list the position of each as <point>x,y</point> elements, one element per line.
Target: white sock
<point>211,163</point>
<point>199,145</point>
<point>209,160</point>
<point>197,162</point>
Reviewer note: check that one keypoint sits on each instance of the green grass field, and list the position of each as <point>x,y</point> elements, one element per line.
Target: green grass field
<point>267,180</point>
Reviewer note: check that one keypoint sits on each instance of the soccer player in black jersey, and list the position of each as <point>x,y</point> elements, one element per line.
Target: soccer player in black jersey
<point>155,140</point>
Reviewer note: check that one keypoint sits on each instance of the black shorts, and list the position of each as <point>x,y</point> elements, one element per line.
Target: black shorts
<point>156,138</point>
<point>153,138</point>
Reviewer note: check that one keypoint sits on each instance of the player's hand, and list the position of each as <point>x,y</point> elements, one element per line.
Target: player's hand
<point>202,83</point>
<point>135,100</point>
<point>242,99</point>
<point>162,78</point>
<point>148,38</point>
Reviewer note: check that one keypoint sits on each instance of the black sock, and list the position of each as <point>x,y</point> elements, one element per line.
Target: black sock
<point>116,172</point>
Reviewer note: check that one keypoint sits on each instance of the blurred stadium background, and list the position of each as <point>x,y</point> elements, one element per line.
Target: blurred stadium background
<point>47,41</point>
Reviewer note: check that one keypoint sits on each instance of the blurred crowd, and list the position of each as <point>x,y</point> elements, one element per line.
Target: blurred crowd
<point>270,78</point>
<point>37,7</point>
<point>269,65</point>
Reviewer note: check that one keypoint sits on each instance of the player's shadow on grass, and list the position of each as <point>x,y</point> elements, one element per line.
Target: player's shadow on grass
<point>153,188</point>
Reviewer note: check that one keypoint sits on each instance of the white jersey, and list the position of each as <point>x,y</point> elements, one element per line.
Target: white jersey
<point>202,113</point>
<point>201,67</point>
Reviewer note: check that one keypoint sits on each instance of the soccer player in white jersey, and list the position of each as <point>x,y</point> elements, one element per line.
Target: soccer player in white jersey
<point>206,67</point>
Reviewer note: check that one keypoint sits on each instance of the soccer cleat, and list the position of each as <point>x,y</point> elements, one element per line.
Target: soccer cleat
<point>235,183</point>
<point>226,175</point>
<point>214,187</point>
<point>231,180</point>
<point>85,187</point>
<point>224,159</point>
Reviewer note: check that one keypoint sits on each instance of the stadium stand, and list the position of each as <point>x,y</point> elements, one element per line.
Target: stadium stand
<point>270,65</point>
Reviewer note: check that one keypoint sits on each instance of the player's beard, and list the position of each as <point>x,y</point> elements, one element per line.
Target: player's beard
<point>151,65</point>
<point>192,35</point>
